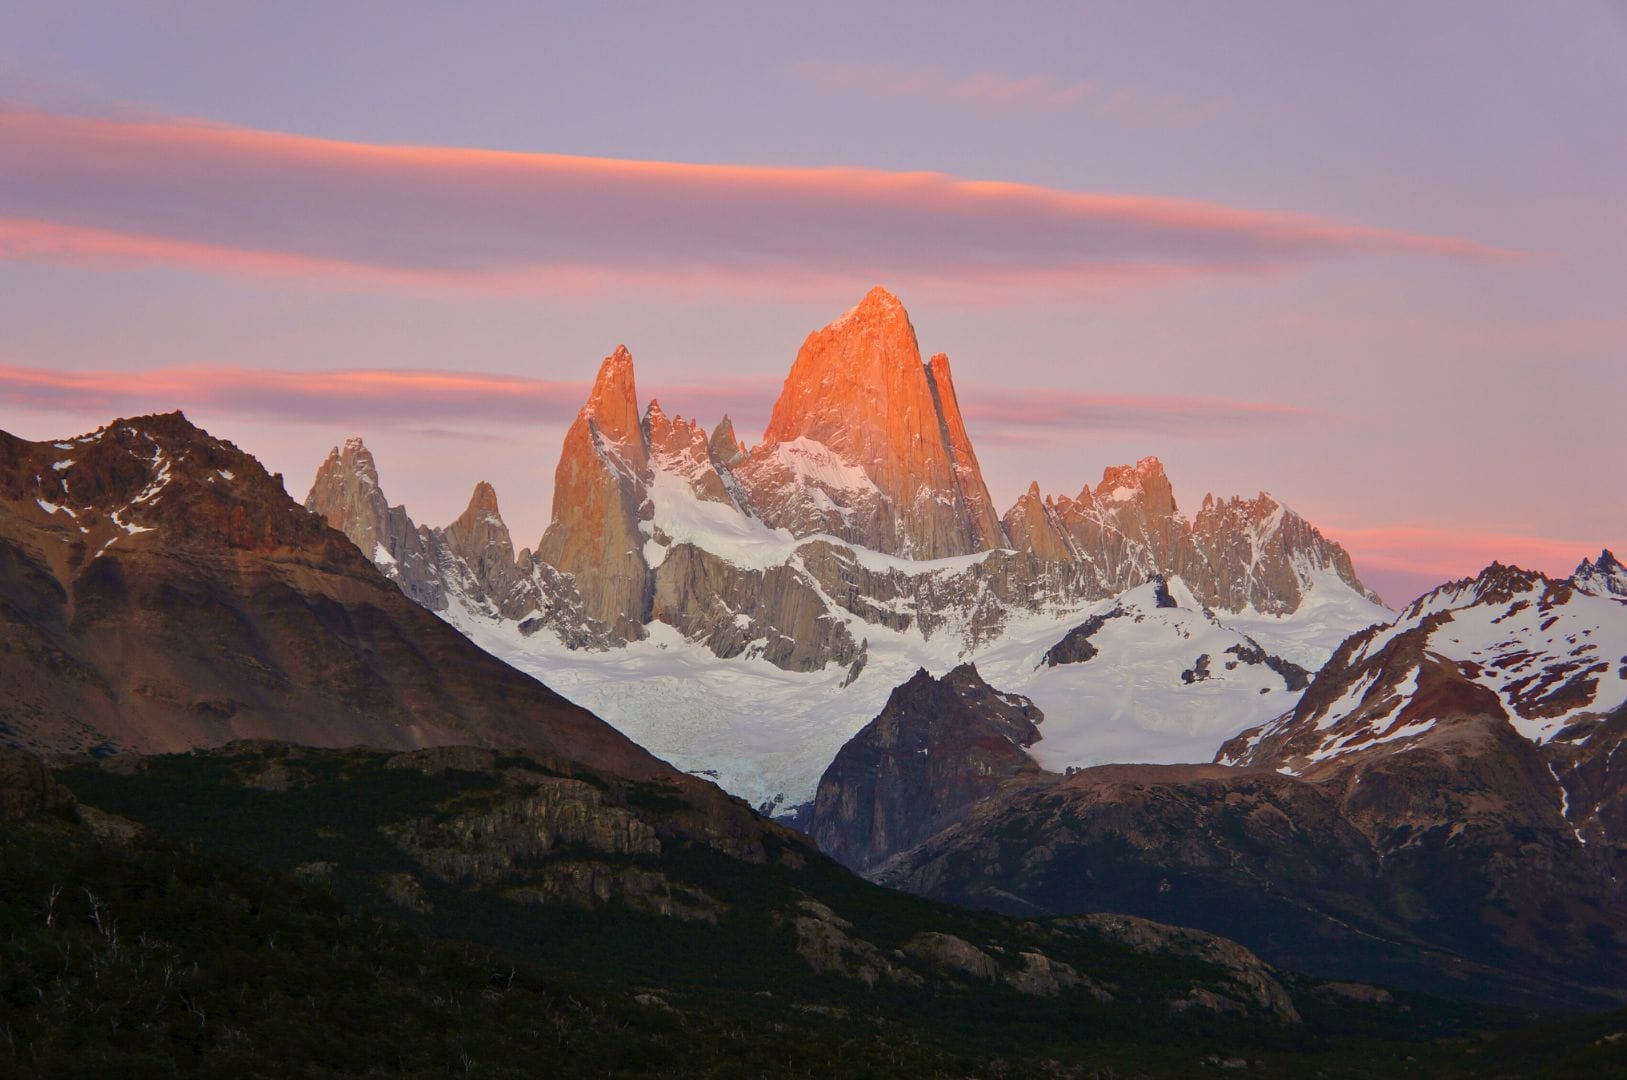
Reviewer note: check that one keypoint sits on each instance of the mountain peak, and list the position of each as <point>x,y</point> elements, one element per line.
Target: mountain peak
<point>1606,576</point>
<point>909,483</point>
<point>1145,481</point>
<point>483,500</point>
<point>726,447</point>
<point>878,303</point>
<point>613,403</point>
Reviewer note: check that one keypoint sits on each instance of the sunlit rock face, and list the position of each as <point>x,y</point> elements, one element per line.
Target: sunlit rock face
<point>867,443</point>
<point>1233,554</point>
<point>601,495</point>
<point>347,494</point>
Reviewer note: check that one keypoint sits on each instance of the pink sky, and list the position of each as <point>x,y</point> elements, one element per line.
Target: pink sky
<point>1382,282</point>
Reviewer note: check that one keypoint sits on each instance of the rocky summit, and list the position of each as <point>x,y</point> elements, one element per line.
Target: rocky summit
<point>866,443</point>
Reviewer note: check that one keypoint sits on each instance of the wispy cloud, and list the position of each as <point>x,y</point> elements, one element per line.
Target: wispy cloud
<point>436,401</point>
<point>1444,553</point>
<point>428,402</point>
<point>136,191</point>
<point>1000,92</point>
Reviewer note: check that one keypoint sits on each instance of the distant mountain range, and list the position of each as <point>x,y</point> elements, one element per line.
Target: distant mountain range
<point>800,579</point>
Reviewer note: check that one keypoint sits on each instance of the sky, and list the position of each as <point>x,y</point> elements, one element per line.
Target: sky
<point>1370,258</point>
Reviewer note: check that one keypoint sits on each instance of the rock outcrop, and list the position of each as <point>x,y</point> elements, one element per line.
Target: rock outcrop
<point>346,493</point>
<point>937,748</point>
<point>601,500</point>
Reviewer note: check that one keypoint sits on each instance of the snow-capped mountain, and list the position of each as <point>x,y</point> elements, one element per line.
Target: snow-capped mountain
<point>1547,656</point>
<point>1495,702</point>
<point>760,603</point>
<point>1606,576</point>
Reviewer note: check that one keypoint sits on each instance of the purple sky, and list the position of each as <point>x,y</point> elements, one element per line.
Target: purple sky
<point>1372,260</point>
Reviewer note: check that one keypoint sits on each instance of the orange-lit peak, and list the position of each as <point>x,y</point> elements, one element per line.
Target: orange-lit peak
<point>613,404</point>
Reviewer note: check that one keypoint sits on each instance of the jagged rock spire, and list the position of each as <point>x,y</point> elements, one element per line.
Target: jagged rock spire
<point>867,442</point>
<point>601,495</point>
<point>726,447</point>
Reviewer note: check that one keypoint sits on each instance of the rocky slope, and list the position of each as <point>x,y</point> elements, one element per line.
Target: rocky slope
<point>159,590</point>
<point>938,747</point>
<point>648,881</point>
<point>1441,808</point>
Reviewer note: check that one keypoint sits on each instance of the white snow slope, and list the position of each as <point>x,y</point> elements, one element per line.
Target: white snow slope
<point>767,735</point>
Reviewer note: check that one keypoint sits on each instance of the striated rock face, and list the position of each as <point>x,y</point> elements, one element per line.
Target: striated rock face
<point>163,592</point>
<point>680,447</point>
<point>601,497</point>
<point>938,747</point>
<point>777,613</point>
<point>866,443</point>
<point>1234,554</point>
<point>346,493</point>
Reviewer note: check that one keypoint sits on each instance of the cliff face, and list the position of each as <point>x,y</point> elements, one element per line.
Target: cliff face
<point>601,496</point>
<point>866,443</point>
<point>938,747</point>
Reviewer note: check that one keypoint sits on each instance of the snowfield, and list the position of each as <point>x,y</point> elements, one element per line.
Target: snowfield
<point>767,735</point>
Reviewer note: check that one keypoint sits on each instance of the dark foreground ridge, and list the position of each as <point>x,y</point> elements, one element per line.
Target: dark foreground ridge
<point>267,909</point>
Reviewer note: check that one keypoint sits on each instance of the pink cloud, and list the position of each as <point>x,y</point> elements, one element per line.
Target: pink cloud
<point>433,400</point>
<point>997,415</point>
<point>1403,560</point>
<point>139,191</point>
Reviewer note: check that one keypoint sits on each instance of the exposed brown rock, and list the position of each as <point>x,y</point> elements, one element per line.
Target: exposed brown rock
<point>26,787</point>
<point>188,601</point>
<point>936,749</point>
<point>601,497</point>
<point>859,390</point>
